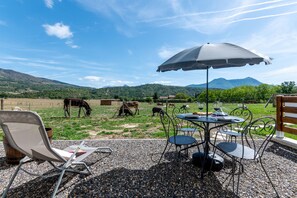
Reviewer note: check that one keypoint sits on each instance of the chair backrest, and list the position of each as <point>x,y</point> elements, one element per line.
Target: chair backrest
<point>168,124</point>
<point>264,126</point>
<point>180,110</point>
<point>244,113</point>
<point>26,133</point>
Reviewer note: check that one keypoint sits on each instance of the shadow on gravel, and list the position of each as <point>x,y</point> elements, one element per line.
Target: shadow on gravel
<point>3,164</point>
<point>38,187</point>
<point>44,186</point>
<point>163,180</point>
<point>283,151</point>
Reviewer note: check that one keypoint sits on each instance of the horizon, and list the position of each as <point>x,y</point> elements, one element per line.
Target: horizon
<point>97,43</point>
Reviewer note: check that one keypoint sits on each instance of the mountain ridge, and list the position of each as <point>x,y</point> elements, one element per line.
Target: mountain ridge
<point>17,84</point>
<point>222,83</point>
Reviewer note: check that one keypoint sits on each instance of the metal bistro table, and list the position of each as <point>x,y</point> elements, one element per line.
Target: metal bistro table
<point>204,122</point>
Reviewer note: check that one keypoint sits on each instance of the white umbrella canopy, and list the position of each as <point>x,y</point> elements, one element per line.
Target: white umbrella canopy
<point>215,56</point>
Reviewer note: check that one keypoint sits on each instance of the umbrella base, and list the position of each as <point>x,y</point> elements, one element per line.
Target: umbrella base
<point>213,162</point>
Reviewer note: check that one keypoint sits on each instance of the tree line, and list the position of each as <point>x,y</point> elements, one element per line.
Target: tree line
<point>152,92</point>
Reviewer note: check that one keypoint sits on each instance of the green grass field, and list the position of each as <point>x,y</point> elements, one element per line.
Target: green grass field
<point>104,125</point>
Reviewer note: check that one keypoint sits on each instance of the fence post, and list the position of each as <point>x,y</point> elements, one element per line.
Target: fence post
<point>2,104</point>
<point>279,117</point>
<point>69,108</point>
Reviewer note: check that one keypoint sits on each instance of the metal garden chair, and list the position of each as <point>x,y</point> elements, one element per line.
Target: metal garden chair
<point>233,131</point>
<point>239,151</point>
<point>183,126</point>
<point>181,142</point>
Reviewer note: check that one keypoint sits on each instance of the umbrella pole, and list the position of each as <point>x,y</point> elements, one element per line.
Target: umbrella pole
<point>207,92</point>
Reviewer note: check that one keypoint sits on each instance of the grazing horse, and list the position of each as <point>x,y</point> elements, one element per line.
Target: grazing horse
<point>125,110</point>
<point>156,110</point>
<point>76,103</point>
<point>135,105</point>
<point>171,105</point>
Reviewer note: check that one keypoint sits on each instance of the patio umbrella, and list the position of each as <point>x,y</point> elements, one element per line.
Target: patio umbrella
<point>215,56</point>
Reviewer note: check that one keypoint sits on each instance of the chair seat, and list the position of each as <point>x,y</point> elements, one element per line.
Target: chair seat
<point>182,140</point>
<point>231,133</point>
<point>234,149</point>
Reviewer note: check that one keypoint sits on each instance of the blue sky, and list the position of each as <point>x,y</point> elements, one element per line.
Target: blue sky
<point>101,43</point>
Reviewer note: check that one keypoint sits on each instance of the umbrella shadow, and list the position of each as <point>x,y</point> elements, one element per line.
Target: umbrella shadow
<point>171,179</point>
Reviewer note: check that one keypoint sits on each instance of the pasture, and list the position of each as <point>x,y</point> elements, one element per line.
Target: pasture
<point>104,122</point>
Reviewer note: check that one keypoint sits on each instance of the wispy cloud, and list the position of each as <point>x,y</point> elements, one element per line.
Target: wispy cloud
<point>130,52</point>
<point>97,81</point>
<point>91,78</point>
<point>2,23</point>
<point>49,3</point>
<point>283,71</point>
<point>275,42</point>
<point>193,14</point>
<point>263,17</point>
<point>70,44</point>
<point>162,82</point>
<point>217,20</point>
<point>31,62</point>
<point>166,52</point>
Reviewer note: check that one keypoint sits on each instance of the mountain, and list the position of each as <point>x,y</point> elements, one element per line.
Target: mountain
<point>17,82</point>
<point>222,83</point>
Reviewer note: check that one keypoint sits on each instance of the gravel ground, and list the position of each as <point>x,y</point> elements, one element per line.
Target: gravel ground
<point>132,171</point>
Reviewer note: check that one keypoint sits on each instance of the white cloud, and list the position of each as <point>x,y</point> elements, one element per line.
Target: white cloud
<point>49,3</point>
<point>120,82</point>
<point>91,78</point>
<point>162,82</point>
<point>96,81</point>
<point>59,30</point>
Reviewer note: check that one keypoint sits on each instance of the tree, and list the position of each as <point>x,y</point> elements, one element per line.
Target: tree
<point>181,96</point>
<point>287,87</point>
<point>155,96</point>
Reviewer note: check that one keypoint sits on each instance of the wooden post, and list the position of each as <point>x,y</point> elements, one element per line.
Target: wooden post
<point>166,105</point>
<point>279,117</point>
<point>69,108</point>
<point>2,104</point>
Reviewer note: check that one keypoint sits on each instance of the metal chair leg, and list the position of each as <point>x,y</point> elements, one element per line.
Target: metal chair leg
<point>11,180</point>
<point>163,152</point>
<point>58,183</point>
<point>269,178</point>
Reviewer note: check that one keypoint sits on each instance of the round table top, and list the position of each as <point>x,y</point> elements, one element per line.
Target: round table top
<point>209,118</point>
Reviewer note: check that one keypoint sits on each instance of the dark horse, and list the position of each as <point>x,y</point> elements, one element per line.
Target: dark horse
<point>76,103</point>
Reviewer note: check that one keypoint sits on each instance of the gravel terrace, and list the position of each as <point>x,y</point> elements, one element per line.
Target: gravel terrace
<point>132,171</point>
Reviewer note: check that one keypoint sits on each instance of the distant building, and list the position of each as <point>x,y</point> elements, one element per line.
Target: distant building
<point>167,97</point>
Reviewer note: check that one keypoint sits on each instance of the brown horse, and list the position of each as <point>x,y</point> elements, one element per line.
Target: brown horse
<point>171,105</point>
<point>75,102</point>
<point>135,105</point>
